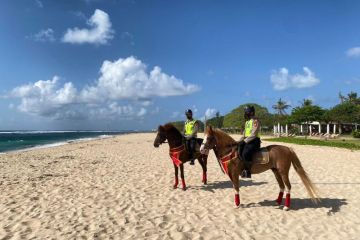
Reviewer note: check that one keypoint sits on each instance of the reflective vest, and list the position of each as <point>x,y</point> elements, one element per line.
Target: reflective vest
<point>249,128</point>
<point>189,127</point>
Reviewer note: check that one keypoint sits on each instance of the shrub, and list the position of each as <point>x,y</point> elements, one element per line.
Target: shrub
<point>356,133</point>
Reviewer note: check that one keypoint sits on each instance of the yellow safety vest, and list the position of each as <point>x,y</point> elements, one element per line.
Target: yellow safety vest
<point>249,128</point>
<point>189,127</point>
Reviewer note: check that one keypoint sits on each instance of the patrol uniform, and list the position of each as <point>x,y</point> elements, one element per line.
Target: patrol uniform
<point>249,143</point>
<point>190,133</point>
<point>251,139</point>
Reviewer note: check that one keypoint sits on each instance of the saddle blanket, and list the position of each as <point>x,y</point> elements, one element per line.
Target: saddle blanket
<point>261,156</point>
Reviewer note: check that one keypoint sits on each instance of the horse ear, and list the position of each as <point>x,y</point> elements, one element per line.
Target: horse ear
<point>161,128</point>
<point>209,129</point>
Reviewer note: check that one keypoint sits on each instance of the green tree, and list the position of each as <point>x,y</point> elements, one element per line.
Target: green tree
<point>352,98</point>
<point>280,107</point>
<point>236,117</point>
<point>346,112</point>
<point>216,121</point>
<point>306,114</point>
<point>307,102</point>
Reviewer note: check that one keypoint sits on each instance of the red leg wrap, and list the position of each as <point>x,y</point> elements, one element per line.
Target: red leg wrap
<point>280,197</point>
<point>287,200</point>
<point>183,184</point>
<point>237,200</point>
<point>204,179</point>
<point>176,182</point>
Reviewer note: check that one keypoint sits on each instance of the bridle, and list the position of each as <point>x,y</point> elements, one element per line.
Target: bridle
<point>163,138</point>
<point>218,158</point>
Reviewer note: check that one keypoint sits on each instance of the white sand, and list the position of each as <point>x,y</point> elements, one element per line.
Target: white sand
<point>121,188</point>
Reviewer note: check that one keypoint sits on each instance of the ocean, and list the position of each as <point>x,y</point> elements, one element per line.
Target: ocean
<point>20,140</point>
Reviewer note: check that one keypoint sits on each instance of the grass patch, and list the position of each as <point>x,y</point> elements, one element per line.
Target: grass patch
<point>328,143</point>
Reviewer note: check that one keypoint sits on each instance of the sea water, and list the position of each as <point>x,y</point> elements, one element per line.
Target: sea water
<point>19,140</point>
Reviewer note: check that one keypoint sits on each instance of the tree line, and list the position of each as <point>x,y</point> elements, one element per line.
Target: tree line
<point>347,111</point>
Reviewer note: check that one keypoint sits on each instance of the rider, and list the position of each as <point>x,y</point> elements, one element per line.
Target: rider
<point>250,142</point>
<point>190,133</point>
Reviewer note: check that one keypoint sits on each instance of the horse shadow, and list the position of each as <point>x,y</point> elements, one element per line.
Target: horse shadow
<point>212,186</point>
<point>332,204</point>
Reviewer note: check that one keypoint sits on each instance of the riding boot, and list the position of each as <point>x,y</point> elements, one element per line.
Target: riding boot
<point>246,173</point>
<point>191,157</point>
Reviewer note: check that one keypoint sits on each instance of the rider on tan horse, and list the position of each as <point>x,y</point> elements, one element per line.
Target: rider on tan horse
<point>190,134</point>
<point>250,142</point>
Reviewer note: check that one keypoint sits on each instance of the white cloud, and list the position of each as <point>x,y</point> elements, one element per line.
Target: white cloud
<point>128,79</point>
<point>124,80</point>
<point>44,97</point>
<point>39,3</point>
<point>353,52</point>
<point>100,31</point>
<point>129,37</point>
<point>44,35</point>
<point>210,112</point>
<point>281,79</point>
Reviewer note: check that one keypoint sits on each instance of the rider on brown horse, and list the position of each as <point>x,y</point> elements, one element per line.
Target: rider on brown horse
<point>250,142</point>
<point>190,134</point>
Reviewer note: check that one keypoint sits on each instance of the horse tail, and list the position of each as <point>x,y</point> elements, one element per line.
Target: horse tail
<point>310,188</point>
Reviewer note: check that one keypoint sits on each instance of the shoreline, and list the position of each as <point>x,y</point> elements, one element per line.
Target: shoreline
<point>63,143</point>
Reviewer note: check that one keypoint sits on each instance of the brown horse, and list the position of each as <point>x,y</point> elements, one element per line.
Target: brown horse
<point>178,152</point>
<point>280,159</point>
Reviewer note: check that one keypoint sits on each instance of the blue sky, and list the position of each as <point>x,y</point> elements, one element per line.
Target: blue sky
<point>93,64</point>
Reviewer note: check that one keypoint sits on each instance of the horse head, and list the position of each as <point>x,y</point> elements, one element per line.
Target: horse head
<point>160,137</point>
<point>209,140</point>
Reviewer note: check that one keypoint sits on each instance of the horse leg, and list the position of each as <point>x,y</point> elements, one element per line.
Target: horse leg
<point>182,177</point>
<point>203,162</point>
<point>285,178</point>
<point>281,185</point>
<point>176,176</point>
<point>234,177</point>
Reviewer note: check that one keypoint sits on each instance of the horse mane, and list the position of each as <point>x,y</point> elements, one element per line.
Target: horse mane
<point>171,129</point>
<point>226,139</point>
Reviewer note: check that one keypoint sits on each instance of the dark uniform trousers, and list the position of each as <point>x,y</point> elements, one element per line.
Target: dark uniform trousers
<point>191,144</point>
<point>249,149</point>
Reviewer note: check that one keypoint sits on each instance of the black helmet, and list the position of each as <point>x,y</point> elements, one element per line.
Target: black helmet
<point>188,111</point>
<point>249,111</point>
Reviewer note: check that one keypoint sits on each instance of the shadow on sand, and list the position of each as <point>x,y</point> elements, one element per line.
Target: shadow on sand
<point>225,184</point>
<point>332,204</point>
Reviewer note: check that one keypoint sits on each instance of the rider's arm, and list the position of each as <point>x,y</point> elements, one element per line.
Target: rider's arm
<point>196,128</point>
<point>255,130</point>
<point>183,132</point>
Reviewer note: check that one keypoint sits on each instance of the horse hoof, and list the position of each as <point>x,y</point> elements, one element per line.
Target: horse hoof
<point>184,188</point>
<point>236,207</point>
<point>174,187</point>
<point>286,208</point>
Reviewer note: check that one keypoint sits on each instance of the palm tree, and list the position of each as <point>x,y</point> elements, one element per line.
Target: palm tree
<point>352,97</point>
<point>307,102</point>
<point>342,97</point>
<point>280,107</point>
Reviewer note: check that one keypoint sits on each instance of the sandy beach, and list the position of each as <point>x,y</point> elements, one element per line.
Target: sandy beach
<point>121,188</point>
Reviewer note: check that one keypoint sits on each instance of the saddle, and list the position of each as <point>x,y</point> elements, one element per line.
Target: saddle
<point>261,156</point>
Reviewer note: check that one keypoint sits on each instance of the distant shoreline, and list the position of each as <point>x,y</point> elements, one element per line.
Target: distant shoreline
<point>55,143</point>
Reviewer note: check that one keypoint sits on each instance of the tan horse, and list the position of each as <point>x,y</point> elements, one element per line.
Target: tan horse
<point>280,159</point>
